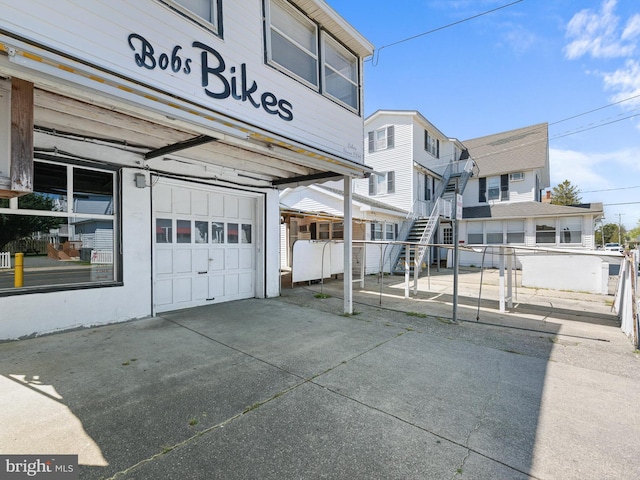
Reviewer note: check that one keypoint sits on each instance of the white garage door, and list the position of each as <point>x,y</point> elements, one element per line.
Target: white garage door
<point>204,246</point>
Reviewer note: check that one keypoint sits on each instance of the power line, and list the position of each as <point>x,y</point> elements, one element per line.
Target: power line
<point>609,189</point>
<point>376,53</point>
<point>595,110</point>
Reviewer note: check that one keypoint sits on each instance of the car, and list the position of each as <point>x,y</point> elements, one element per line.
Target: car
<point>613,247</point>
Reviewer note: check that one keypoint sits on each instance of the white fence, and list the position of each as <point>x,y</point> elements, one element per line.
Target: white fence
<point>626,302</point>
<point>5,259</point>
<point>101,257</point>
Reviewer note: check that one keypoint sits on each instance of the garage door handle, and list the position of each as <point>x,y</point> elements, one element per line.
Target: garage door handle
<point>202,273</point>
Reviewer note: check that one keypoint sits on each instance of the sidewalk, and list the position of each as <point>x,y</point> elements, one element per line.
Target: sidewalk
<point>287,388</point>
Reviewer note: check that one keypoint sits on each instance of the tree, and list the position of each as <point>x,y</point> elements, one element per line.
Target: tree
<point>565,194</point>
<point>610,233</point>
<point>15,227</point>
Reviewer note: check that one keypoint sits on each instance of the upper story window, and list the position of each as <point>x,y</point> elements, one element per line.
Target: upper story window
<point>493,188</point>
<point>206,13</point>
<point>381,139</point>
<point>292,42</point>
<point>431,144</point>
<point>381,183</point>
<point>340,72</point>
<point>516,177</point>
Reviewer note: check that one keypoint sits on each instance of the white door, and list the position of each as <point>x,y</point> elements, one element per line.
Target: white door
<point>204,245</point>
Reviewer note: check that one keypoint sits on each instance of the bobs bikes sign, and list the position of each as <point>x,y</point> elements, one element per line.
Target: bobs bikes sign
<point>219,80</point>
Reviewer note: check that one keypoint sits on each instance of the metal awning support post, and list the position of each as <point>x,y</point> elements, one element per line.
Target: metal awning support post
<point>363,263</point>
<point>348,246</point>
<point>416,261</point>
<point>510,281</point>
<point>406,271</point>
<point>501,283</point>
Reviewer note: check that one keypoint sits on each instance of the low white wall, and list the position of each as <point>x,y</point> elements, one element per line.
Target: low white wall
<point>579,273</point>
<point>314,260</point>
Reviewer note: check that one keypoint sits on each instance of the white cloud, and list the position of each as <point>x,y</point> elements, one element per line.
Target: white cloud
<point>625,82</point>
<point>598,34</point>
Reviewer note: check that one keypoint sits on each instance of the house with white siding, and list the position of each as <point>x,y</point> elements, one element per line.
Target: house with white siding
<point>187,118</point>
<point>503,201</point>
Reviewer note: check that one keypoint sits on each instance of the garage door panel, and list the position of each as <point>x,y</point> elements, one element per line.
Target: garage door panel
<point>246,258</point>
<point>231,284</point>
<point>216,259</point>
<point>232,258</point>
<point>163,292</point>
<point>162,198</point>
<point>245,283</point>
<point>164,261</point>
<point>200,287</point>
<point>231,209</point>
<point>216,205</point>
<point>246,208</point>
<point>181,201</point>
<point>200,260</point>
<point>199,203</point>
<point>216,286</point>
<point>182,290</point>
<point>182,260</point>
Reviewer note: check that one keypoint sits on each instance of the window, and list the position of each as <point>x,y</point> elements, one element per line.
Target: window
<point>217,232</point>
<point>324,230</point>
<point>183,231</point>
<point>431,144</point>
<point>447,235</point>
<point>232,233</point>
<point>571,230</point>
<point>516,177</point>
<point>494,188</point>
<point>340,73</point>
<point>381,183</point>
<point>381,139</point>
<point>389,231</point>
<point>474,233</point>
<point>494,233</point>
<point>545,231</point>
<point>292,42</point>
<point>206,13</point>
<point>72,214</point>
<point>515,231</point>
<point>376,231</point>
<point>337,230</point>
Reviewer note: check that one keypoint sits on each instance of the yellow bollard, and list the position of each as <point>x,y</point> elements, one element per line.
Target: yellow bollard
<point>18,279</point>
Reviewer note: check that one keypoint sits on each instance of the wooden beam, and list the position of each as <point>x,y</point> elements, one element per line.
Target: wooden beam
<point>176,147</point>
<point>21,136</point>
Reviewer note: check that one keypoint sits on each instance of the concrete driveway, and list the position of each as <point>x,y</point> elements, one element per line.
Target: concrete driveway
<point>286,389</point>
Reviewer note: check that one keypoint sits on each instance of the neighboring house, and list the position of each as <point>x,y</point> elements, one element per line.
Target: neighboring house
<point>416,168</point>
<point>503,202</point>
<point>316,213</point>
<point>184,117</point>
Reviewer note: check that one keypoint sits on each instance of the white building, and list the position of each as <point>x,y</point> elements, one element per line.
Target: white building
<point>188,116</point>
<point>503,201</point>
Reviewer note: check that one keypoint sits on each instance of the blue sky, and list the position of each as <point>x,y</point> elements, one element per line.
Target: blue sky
<point>534,61</point>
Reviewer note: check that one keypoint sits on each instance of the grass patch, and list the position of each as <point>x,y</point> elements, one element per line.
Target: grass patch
<point>322,295</point>
<point>553,339</point>
<point>193,422</point>
<point>252,407</point>
<point>417,314</point>
<point>446,321</point>
<point>387,324</point>
<point>513,351</point>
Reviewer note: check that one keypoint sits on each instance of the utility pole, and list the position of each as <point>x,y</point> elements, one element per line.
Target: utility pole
<point>620,229</point>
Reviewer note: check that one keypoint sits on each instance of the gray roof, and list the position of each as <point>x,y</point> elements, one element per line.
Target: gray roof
<point>529,209</point>
<point>366,200</point>
<point>513,151</point>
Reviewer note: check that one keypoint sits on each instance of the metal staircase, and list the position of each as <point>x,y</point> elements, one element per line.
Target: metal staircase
<point>423,229</point>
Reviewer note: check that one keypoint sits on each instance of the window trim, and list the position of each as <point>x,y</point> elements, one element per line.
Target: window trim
<point>389,133</point>
<point>215,28</point>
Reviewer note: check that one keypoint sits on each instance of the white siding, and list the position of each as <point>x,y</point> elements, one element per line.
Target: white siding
<point>97,32</point>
